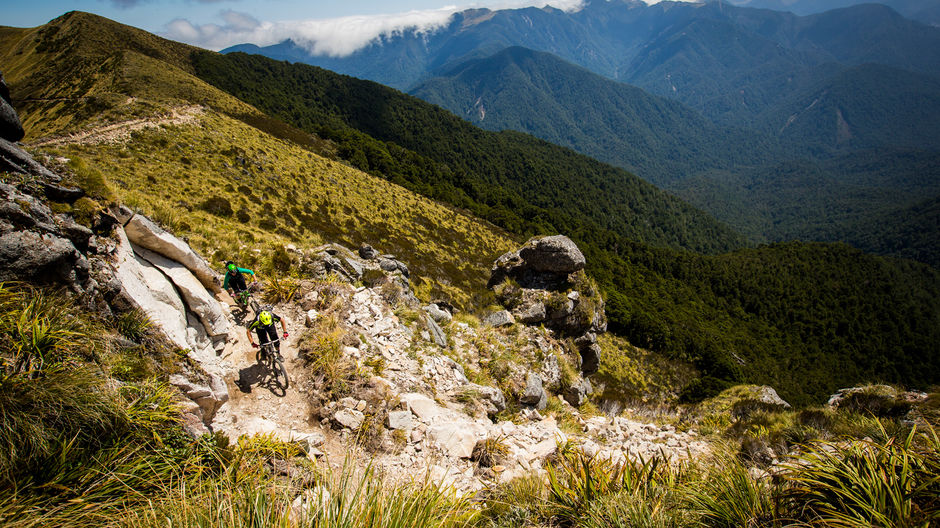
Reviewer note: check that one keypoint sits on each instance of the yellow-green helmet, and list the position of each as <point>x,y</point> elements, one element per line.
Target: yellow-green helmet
<point>265,318</point>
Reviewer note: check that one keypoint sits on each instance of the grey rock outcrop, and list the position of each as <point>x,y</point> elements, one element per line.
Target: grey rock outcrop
<point>543,282</point>
<point>500,318</point>
<point>389,263</point>
<point>11,129</point>
<point>769,396</point>
<point>367,252</point>
<point>399,420</point>
<point>141,231</point>
<point>35,245</point>
<point>578,392</point>
<point>16,160</point>
<point>208,395</point>
<point>349,418</point>
<point>196,297</point>
<point>492,398</point>
<point>438,314</point>
<point>534,394</point>
<point>436,333</point>
<point>541,263</point>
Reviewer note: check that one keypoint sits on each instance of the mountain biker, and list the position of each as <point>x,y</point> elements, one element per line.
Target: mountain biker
<point>263,323</point>
<point>234,282</point>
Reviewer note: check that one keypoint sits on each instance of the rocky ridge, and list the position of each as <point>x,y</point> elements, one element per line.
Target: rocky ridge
<point>424,397</point>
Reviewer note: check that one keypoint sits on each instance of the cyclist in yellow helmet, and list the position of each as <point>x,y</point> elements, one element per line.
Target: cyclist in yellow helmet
<point>263,323</point>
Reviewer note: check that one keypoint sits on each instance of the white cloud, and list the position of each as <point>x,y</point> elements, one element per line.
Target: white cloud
<point>336,37</point>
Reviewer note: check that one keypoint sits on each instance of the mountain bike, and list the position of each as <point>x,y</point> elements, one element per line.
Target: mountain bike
<point>271,359</point>
<point>244,299</point>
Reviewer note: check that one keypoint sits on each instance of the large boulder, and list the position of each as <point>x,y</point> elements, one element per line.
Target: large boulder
<point>147,288</point>
<point>541,263</point>
<point>28,255</point>
<point>578,392</point>
<point>198,300</point>
<point>534,394</point>
<point>141,231</point>
<point>11,129</point>
<point>500,318</point>
<point>543,282</point>
<point>456,439</point>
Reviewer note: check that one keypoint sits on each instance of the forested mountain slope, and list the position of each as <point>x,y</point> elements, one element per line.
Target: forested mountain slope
<point>660,140</point>
<point>524,184</point>
<point>785,182</point>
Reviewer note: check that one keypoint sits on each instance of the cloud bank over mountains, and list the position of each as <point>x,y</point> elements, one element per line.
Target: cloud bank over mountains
<point>335,37</point>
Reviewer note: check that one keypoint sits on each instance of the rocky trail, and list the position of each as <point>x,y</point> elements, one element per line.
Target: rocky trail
<point>424,392</point>
<point>419,414</point>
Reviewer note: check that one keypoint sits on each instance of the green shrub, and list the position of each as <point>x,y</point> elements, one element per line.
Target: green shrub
<point>728,497</point>
<point>217,205</point>
<point>91,180</point>
<point>134,324</point>
<point>490,452</point>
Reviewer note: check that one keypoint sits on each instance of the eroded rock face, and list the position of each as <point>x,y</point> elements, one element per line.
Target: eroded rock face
<point>11,129</point>
<point>142,232</point>
<point>36,245</point>
<point>197,298</point>
<point>16,160</point>
<point>145,287</point>
<point>209,395</point>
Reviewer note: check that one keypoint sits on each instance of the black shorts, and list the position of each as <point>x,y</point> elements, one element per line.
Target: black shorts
<point>237,283</point>
<point>268,334</point>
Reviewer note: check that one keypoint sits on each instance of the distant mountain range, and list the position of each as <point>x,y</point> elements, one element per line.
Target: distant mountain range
<point>726,61</point>
<point>924,11</point>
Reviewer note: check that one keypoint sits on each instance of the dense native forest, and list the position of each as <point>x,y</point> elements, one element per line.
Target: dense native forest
<point>794,176</point>
<point>805,318</point>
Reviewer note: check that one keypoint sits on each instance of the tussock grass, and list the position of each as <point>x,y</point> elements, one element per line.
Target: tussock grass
<point>38,331</point>
<point>866,483</point>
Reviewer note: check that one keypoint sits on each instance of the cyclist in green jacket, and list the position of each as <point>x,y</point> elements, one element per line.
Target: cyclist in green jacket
<point>234,282</point>
<point>263,323</point>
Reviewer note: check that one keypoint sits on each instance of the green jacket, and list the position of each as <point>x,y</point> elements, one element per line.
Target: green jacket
<point>229,274</point>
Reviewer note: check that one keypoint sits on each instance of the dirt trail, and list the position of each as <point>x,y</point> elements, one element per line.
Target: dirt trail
<point>121,131</point>
<point>256,404</point>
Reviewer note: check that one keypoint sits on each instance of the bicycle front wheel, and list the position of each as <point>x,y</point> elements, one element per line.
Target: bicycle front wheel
<point>280,373</point>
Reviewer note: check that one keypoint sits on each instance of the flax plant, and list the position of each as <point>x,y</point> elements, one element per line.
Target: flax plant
<point>894,483</point>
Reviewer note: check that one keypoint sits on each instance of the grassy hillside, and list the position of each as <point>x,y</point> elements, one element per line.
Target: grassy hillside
<point>521,183</point>
<point>213,178</point>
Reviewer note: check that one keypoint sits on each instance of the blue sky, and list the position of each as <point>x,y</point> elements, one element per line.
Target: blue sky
<point>324,27</point>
